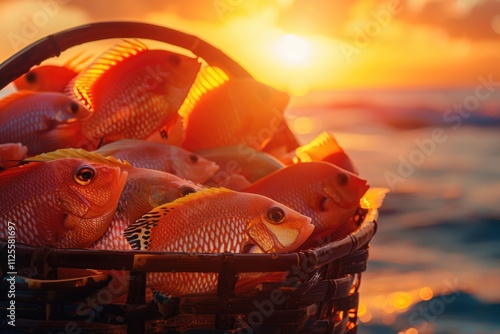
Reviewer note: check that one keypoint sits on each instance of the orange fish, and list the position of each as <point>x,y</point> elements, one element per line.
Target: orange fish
<point>144,190</point>
<point>325,148</point>
<point>11,154</point>
<point>63,203</point>
<point>133,91</point>
<point>162,157</point>
<point>240,160</point>
<point>215,221</point>
<point>282,141</point>
<point>50,78</point>
<point>42,121</point>
<point>320,190</point>
<point>221,112</point>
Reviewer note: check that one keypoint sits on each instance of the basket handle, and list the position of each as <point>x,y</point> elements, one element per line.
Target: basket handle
<point>52,46</point>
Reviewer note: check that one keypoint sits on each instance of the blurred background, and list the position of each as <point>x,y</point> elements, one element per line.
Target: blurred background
<point>411,90</point>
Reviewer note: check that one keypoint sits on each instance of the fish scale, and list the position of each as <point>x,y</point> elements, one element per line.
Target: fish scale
<point>50,207</point>
<point>36,118</point>
<point>317,193</point>
<point>214,220</point>
<point>133,91</point>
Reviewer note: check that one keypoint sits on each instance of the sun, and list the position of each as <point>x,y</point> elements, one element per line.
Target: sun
<point>293,50</point>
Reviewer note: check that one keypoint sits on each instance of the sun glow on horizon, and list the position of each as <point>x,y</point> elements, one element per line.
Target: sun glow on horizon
<point>293,50</point>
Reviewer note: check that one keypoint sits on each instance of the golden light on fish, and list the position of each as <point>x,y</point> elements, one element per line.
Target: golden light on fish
<point>426,293</point>
<point>293,50</point>
<point>400,300</point>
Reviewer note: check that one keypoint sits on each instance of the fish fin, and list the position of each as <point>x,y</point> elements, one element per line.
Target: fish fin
<point>81,86</point>
<point>76,63</point>
<point>137,234</point>
<point>137,206</point>
<point>319,148</point>
<point>373,198</point>
<point>117,146</point>
<point>8,174</point>
<point>80,154</point>
<point>208,78</point>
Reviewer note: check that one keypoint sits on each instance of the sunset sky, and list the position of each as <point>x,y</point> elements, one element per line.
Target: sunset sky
<point>300,45</point>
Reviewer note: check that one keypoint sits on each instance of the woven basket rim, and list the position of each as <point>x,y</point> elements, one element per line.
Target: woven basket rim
<point>52,46</point>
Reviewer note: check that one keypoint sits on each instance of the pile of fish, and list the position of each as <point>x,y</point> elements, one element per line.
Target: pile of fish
<point>153,150</point>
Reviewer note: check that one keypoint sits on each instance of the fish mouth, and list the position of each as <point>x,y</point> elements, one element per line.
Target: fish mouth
<point>251,247</point>
<point>212,169</point>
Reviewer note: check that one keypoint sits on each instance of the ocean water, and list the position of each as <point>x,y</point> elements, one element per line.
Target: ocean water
<point>434,263</point>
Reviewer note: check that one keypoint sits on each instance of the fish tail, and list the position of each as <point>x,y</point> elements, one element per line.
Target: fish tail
<point>373,198</point>
<point>319,148</point>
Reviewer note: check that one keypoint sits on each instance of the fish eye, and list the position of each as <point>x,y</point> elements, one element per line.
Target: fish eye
<point>343,179</point>
<point>276,215</point>
<point>84,175</point>
<point>74,107</point>
<point>174,59</point>
<point>185,190</point>
<point>193,158</point>
<point>31,77</point>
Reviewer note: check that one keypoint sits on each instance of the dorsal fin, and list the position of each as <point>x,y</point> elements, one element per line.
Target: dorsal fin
<point>138,233</point>
<point>77,62</point>
<point>319,148</point>
<point>81,86</point>
<point>208,78</point>
<point>80,153</point>
<point>119,145</point>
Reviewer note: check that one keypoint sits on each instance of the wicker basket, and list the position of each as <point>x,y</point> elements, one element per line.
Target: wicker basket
<point>319,295</point>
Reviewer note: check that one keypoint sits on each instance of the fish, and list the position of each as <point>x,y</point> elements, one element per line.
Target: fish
<point>215,220</point>
<point>240,160</point>
<point>42,121</point>
<point>325,148</point>
<point>144,190</point>
<point>11,154</point>
<point>320,190</point>
<point>230,181</point>
<point>67,203</point>
<point>163,157</point>
<point>133,91</point>
<point>223,111</point>
<point>51,78</point>
<point>282,141</point>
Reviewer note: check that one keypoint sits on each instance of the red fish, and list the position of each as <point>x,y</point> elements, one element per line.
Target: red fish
<point>221,112</point>
<point>320,190</point>
<point>63,203</point>
<point>240,160</point>
<point>325,148</point>
<point>215,221</point>
<point>50,78</point>
<point>144,190</point>
<point>133,91</point>
<point>11,154</point>
<point>162,157</point>
<point>42,121</point>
